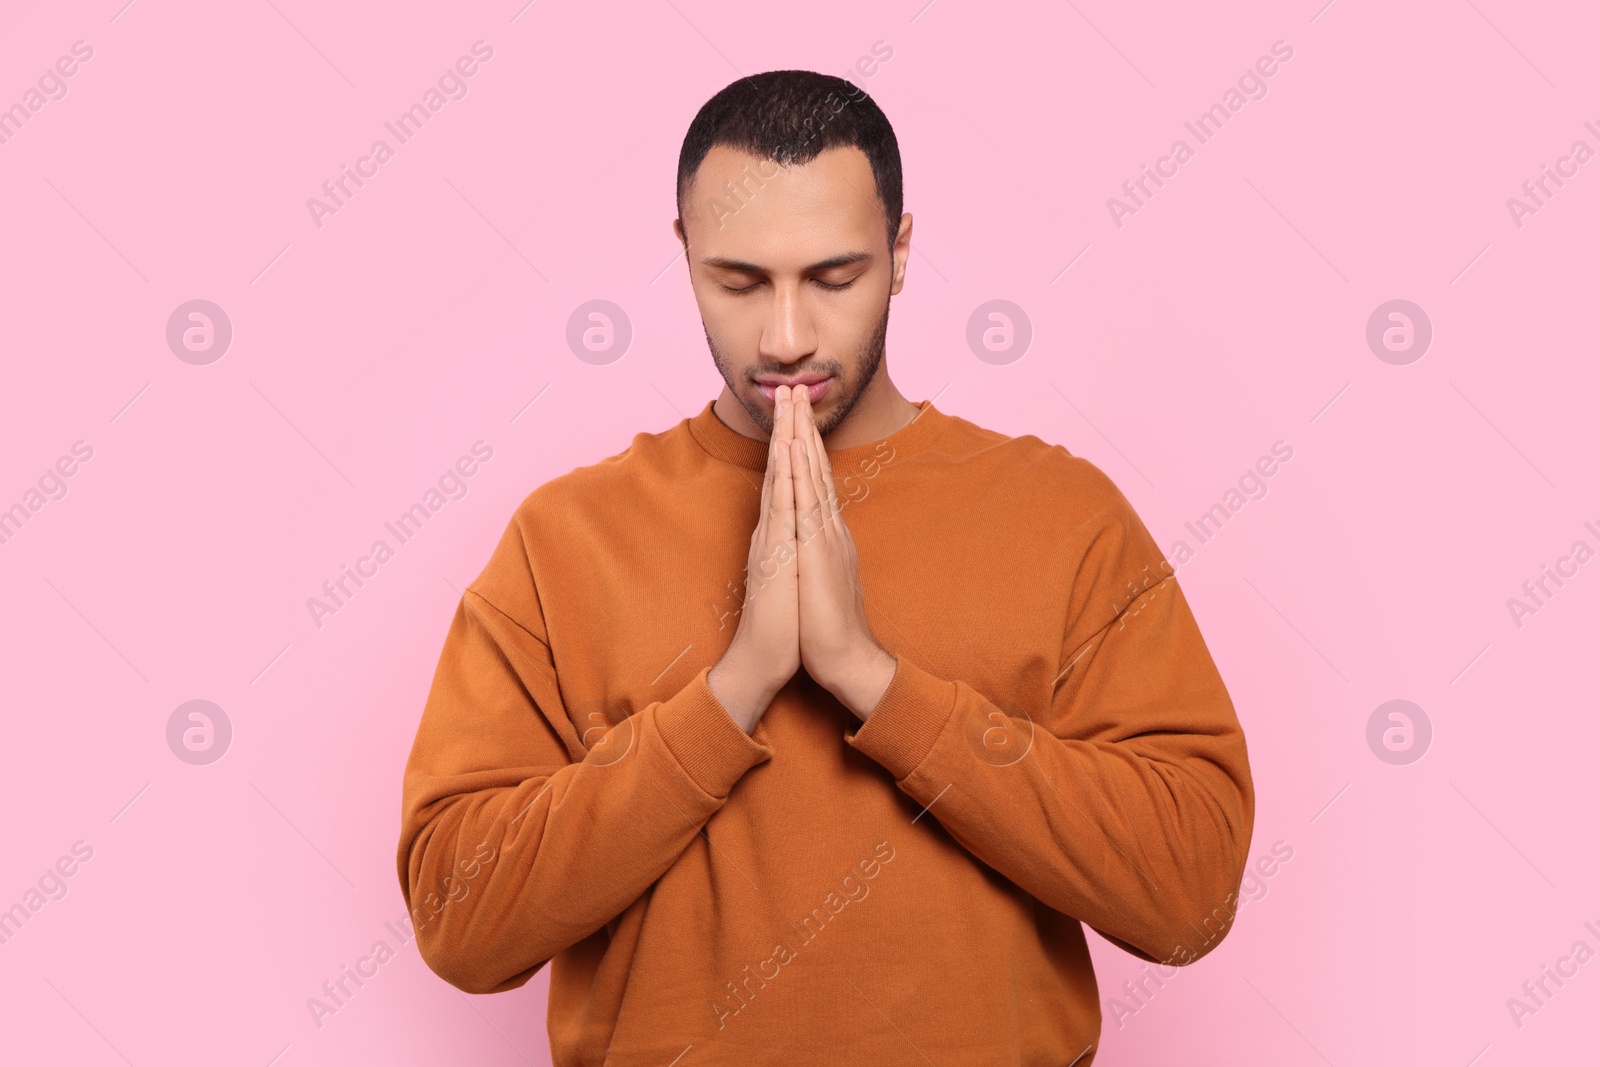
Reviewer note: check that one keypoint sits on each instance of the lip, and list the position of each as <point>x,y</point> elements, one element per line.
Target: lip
<point>816,386</point>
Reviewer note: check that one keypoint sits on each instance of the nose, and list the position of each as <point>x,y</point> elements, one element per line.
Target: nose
<point>789,334</point>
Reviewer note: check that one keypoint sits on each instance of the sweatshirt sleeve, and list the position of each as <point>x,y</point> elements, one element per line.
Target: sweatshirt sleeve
<point>1125,799</point>
<point>522,834</point>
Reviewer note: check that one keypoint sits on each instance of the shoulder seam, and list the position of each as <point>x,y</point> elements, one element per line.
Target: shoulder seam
<point>506,616</point>
<point>1173,577</point>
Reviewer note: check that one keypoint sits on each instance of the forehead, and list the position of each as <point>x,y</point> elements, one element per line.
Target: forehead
<point>801,214</point>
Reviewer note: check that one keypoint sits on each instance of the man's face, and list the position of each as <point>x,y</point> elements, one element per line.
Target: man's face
<point>793,273</point>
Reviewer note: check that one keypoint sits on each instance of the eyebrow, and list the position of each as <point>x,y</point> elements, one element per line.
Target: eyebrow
<point>842,260</point>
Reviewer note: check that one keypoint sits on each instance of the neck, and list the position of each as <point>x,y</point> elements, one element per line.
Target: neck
<point>879,411</point>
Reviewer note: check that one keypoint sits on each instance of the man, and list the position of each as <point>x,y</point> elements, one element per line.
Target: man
<point>817,725</point>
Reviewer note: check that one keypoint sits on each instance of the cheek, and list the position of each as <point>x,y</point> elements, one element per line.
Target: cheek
<point>724,344</point>
<point>735,331</point>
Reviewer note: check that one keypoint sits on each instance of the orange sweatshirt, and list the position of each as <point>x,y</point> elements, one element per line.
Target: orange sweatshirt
<point>1056,748</point>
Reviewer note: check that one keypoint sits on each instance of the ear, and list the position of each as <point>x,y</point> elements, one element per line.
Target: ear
<point>902,253</point>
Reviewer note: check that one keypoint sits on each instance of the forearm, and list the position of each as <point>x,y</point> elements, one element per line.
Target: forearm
<point>554,856</point>
<point>1143,839</point>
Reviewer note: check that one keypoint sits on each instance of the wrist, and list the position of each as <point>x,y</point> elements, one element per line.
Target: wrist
<point>741,692</point>
<point>860,685</point>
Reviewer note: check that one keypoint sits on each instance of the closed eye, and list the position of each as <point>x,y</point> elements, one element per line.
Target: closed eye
<point>825,285</point>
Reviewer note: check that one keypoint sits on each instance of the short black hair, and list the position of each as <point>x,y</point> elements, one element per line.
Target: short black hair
<point>789,117</point>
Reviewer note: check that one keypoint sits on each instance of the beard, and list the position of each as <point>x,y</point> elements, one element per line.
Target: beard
<point>867,362</point>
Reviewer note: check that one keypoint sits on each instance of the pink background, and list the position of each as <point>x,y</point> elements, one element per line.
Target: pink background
<point>368,354</point>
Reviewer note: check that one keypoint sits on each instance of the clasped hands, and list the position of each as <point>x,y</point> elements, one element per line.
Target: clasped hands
<point>803,604</point>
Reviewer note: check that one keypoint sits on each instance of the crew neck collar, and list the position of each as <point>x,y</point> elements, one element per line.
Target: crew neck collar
<point>729,445</point>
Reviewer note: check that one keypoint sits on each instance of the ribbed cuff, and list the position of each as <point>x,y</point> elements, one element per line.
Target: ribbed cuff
<point>701,735</point>
<point>908,719</point>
